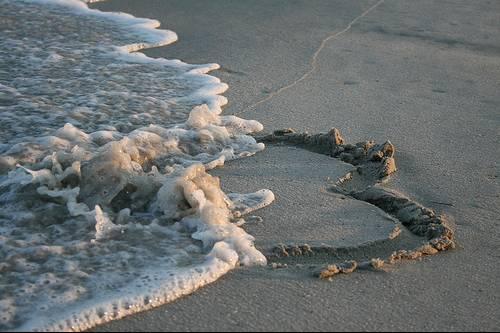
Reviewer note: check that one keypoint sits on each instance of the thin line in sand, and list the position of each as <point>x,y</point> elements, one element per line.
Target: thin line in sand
<point>313,60</point>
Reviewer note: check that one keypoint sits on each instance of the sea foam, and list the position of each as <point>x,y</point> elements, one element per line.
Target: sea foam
<point>106,206</point>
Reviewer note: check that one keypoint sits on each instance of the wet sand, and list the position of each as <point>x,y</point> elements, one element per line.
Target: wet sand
<point>425,75</point>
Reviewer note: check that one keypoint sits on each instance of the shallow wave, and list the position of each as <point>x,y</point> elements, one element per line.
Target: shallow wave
<point>106,207</point>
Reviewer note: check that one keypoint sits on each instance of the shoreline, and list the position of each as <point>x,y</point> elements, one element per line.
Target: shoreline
<point>451,290</point>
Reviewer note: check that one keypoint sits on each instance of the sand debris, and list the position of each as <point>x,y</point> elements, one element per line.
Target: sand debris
<point>331,270</point>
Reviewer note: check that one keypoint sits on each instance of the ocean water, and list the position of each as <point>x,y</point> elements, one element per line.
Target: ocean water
<point>106,206</point>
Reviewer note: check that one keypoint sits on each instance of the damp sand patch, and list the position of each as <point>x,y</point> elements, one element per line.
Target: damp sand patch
<point>333,212</point>
<point>304,210</point>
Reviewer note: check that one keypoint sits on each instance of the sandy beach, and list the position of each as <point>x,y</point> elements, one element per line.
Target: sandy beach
<point>424,75</point>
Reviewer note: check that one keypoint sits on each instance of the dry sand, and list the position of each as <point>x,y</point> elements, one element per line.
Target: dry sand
<point>423,74</point>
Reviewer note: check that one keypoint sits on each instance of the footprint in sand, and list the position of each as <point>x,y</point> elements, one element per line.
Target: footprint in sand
<point>344,218</point>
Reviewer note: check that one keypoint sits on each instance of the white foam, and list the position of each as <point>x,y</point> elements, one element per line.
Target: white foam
<point>146,27</point>
<point>247,203</point>
<point>146,295</point>
<point>110,209</point>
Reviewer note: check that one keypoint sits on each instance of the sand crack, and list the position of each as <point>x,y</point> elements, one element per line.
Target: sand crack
<point>314,60</point>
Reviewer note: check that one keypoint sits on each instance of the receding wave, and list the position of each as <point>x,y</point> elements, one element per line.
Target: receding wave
<point>106,207</point>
